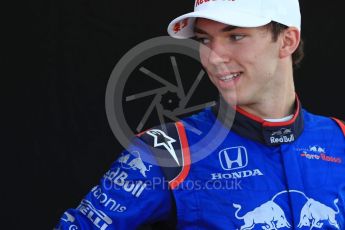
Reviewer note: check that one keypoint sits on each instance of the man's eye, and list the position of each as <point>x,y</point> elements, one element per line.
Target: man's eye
<point>237,37</point>
<point>203,41</point>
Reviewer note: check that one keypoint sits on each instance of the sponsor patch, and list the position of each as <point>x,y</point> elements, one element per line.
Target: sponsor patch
<point>270,215</point>
<point>234,158</point>
<point>318,153</point>
<point>127,161</point>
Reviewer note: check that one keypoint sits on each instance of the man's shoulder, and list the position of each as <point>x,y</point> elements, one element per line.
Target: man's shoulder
<point>340,123</point>
<point>189,122</point>
<point>315,121</point>
<point>169,145</point>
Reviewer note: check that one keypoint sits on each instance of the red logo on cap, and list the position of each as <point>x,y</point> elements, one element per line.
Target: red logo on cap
<point>199,2</point>
<point>180,25</point>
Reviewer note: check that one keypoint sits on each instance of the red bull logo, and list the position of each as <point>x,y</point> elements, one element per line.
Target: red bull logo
<point>270,215</point>
<point>284,135</point>
<point>135,164</point>
<point>314,212</point>
<point>200,2</point>
<point>282,139</point>
<point>120,178</point>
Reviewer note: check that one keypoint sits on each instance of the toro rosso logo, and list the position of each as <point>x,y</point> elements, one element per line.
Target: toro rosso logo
<point>318,153</point>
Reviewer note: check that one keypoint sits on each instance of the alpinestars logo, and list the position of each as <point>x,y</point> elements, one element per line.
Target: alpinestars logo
<point>161,139</point>
<point>270,215</point>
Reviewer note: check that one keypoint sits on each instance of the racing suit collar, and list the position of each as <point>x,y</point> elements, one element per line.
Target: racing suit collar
<point>255,128</point>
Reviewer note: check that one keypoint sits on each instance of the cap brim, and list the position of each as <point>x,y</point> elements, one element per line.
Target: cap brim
<point>234,18</point>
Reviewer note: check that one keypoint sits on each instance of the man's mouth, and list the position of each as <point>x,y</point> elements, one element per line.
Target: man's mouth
<point>230,77</point>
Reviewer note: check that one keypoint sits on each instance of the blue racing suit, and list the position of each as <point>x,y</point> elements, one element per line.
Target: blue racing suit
<point>211,172</point>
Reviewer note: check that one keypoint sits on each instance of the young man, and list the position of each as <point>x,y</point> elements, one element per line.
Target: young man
<point>276,167</point>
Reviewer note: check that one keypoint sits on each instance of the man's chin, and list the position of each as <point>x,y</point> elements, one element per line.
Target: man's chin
<point>230,98</point>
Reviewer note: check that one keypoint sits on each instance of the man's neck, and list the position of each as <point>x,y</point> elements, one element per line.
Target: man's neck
<point>279,99</point>
<point>273,108</point>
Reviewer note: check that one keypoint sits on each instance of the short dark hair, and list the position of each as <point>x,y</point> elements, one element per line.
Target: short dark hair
<point>277,28</point>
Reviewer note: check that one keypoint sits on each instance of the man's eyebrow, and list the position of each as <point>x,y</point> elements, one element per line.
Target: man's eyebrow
<point>229,28</point>
<point>225,29</point>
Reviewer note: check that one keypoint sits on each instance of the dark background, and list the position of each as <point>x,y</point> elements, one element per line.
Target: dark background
<point>56,137</point>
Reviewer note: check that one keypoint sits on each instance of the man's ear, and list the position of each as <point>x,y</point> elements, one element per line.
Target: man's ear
<point>290,40</point>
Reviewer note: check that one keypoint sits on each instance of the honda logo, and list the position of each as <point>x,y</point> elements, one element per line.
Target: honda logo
<point>233,158</point>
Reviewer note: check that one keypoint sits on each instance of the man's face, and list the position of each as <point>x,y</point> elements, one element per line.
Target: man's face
<point>243,63</point>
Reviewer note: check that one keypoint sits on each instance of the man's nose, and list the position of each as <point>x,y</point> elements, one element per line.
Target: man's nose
<point>218,53</point>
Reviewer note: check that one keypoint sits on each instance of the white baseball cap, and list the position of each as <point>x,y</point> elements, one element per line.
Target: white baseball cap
<point>241,13</point>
